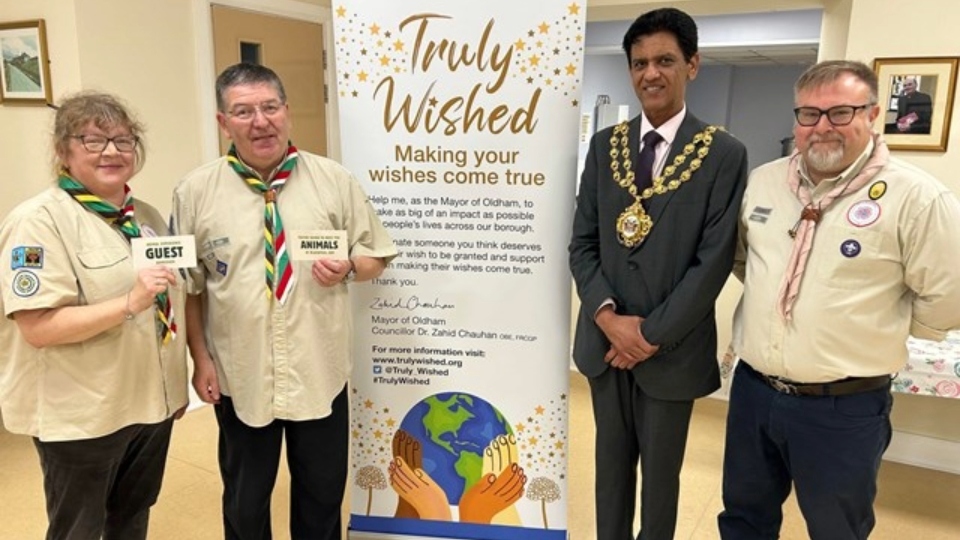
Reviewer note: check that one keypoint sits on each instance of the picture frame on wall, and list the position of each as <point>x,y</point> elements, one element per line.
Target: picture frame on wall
<point>24,63</point>
<point>916,101</point>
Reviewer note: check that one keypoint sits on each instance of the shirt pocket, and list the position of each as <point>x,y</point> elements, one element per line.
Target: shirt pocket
<point>847,258</point>
<point>105,273</point>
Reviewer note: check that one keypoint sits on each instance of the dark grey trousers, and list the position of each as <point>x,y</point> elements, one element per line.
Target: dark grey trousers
<point>104,487</point>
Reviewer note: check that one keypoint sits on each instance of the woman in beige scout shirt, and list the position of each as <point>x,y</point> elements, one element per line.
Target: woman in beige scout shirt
<point>95,369</point>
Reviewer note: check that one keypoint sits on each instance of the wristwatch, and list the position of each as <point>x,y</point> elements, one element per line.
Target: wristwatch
<point>351,274</point>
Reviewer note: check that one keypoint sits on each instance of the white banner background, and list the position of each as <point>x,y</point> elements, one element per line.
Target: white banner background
<point>460,120</point>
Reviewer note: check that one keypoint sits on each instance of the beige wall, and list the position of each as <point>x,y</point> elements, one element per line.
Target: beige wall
<point>141,50</point>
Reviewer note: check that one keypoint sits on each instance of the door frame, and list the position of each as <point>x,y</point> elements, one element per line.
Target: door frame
<point>206,76</point>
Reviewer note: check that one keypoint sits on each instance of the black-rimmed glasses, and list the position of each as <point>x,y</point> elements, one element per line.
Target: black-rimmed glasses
<point>98,143</point>
<point>840,115</point>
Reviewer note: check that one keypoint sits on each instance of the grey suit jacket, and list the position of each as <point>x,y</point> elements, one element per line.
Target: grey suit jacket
<point>673,278</point>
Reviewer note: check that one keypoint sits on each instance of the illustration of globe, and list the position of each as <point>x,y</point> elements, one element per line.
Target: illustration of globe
<point>453,430</point>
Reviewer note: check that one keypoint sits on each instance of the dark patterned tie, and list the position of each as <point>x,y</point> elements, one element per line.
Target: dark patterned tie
<point>644,174</point>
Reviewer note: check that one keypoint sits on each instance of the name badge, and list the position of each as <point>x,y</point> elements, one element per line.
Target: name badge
<point>313,245</point>
<point>169,251</point>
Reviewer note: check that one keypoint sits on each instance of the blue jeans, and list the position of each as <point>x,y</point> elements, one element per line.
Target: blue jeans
<point>828,447</point>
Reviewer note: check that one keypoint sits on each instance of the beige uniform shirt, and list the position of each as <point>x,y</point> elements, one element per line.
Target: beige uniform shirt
<point>57,253</point>
<point>276,362</point>
<point>884,265</point>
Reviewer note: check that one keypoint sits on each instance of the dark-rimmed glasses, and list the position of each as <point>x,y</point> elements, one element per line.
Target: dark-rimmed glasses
<point>96,144</point>
<point>840,115</point>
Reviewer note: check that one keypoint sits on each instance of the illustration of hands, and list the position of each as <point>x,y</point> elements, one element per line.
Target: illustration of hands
<point>492,494</point>
<point>500,454</point>
<point>419,490</point>
<point>407,448</point>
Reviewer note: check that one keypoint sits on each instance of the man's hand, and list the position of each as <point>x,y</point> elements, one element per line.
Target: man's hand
<point>628,347</point>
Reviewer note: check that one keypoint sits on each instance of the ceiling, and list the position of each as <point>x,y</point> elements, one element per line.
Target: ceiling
<point>764,55</point>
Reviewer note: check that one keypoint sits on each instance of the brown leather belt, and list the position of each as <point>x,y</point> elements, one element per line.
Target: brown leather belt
<point>842,387</point>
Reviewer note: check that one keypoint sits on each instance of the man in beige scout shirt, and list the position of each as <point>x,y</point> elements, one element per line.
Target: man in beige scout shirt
<point>274,359</point>
<point>845,252</point>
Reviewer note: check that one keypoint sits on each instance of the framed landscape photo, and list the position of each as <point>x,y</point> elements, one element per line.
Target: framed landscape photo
<point>25,70</point>
<point>916,101</point>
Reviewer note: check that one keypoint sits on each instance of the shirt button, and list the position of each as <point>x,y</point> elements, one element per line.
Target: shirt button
<point>632,265</point>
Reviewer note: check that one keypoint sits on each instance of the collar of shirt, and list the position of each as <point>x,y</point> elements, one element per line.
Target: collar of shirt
<point>847,174</point>
<point>668,130</point>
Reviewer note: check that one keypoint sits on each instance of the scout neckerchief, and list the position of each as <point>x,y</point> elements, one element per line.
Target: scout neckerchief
<point>806,226</point>
<point>123,219</point>
<point>280,277</point>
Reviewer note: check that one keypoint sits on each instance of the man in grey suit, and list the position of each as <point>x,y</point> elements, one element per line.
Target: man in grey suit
<point>653,243</point>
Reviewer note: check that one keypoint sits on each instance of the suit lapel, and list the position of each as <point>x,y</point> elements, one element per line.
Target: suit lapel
<point>657,204</point>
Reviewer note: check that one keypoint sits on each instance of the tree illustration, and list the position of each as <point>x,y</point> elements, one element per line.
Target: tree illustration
<point>544,490</point>
<point>371,478</point>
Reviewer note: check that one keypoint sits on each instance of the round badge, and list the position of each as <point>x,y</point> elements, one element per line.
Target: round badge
<point>877,190</point>
<point>25,283</point>
<point>850,248</point>
<point>863,213</point>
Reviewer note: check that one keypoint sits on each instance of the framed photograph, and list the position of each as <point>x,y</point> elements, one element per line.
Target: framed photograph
<point>916,100</point>
<point>25,73</point>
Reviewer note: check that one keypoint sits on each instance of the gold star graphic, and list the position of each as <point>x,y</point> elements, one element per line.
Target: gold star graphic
<point>377,434</point>
<point>341,12</point>
<point>391,422</point>
<point>519,44</point>
<point>368,404</point>
<point>534,60</point>
<point>571,69</point>
<point>362,76</point>
<point>398,45</point>
<point>520,428</point>
<point>574,9</point>
<point>539,409</point>
<point>533,440</point>
<point>374,29</point>
<point>544,28</point>
<point>384,60</point>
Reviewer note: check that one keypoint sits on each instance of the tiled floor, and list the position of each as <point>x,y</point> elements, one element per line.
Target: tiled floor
<point>914,504</point>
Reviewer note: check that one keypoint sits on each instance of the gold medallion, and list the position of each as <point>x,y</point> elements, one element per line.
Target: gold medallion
<point>633,225</point>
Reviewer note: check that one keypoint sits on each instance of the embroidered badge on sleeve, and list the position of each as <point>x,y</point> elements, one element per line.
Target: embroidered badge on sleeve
<point>25,283</point>
<point>26,257</point>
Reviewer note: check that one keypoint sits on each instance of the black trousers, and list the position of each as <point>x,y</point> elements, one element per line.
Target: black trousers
<point>632,427</point>
<point>317,458</point>
<point>104,487</point>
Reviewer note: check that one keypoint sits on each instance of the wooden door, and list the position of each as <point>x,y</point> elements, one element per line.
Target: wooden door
<point>293,49</point>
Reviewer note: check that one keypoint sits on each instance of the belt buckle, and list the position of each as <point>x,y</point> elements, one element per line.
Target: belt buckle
<point>782,387</point>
